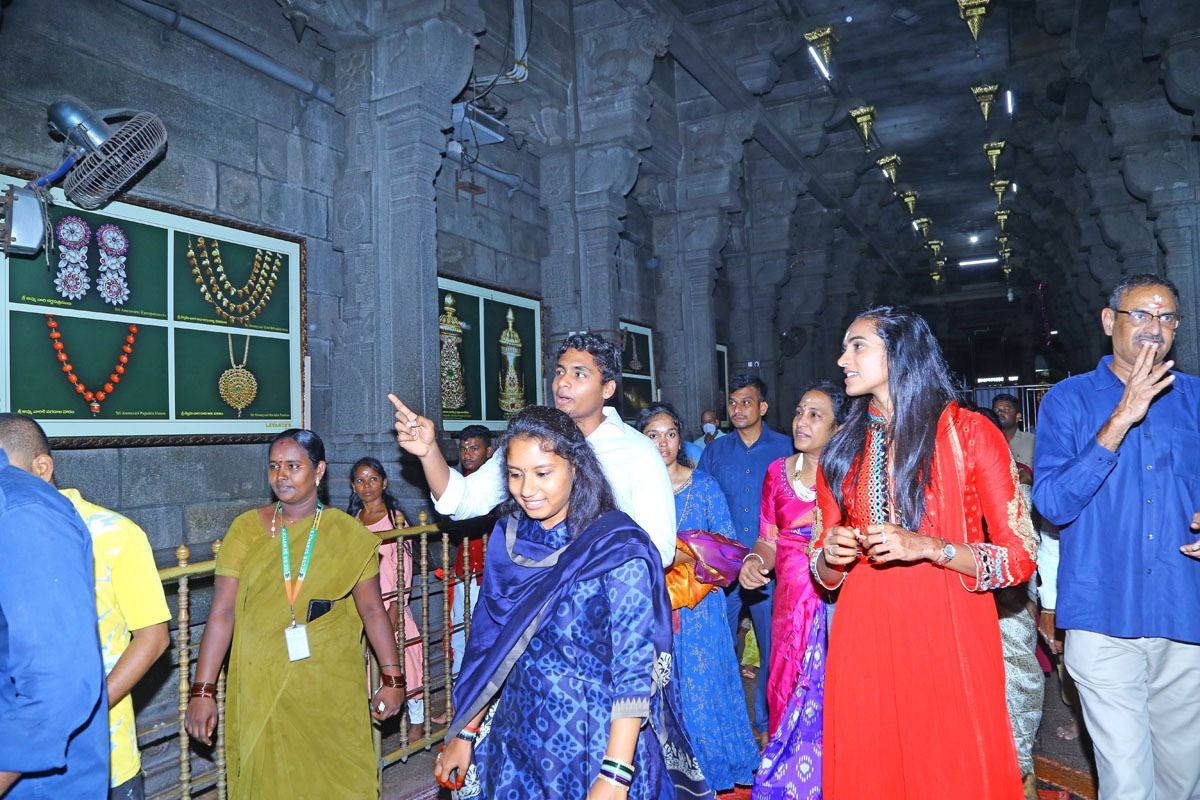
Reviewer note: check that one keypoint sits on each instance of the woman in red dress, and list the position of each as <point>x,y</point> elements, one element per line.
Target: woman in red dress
<point>914,690</point>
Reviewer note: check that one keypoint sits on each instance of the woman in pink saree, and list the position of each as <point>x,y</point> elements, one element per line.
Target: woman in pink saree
<point>791,762</point>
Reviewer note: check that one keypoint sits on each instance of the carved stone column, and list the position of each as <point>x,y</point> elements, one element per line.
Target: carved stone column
<point>395,87</point>
<point>584,182</point>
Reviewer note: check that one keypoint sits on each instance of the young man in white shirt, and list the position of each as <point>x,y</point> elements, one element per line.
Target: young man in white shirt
<point>585,376</point>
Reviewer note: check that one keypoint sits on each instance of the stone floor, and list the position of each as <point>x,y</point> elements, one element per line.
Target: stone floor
<point>1062,764</point>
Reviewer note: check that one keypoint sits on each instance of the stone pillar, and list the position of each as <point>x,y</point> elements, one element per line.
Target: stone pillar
<point>395,89</point>
<point>585,181</point>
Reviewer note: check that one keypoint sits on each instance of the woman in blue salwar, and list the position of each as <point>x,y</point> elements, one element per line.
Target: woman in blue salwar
<point>566,687</point>
<point>714,702</point>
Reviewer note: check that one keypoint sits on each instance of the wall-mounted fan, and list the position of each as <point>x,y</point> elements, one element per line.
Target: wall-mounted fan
<point>99,159</point>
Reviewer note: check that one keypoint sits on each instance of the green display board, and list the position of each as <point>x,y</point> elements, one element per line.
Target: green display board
<point>149,321</point>
<point>491,354</point>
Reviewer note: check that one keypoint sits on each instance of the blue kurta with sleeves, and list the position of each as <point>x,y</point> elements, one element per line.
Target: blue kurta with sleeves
<point>714,703</point>
<point>592,662</point>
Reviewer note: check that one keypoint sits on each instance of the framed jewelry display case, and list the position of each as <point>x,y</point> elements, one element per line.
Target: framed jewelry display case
<point>146,324</point>
<point>723,384</point>
<point>491,354</point>
<point>638,386</point>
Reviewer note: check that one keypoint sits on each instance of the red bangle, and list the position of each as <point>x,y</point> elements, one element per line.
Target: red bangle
<point>392,681</point>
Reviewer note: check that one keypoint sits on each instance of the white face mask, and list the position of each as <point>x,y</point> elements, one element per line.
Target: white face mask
<point>710,428</point>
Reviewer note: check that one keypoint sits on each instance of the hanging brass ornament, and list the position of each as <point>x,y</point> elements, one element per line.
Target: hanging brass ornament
<point>864,117</point>
<point>937,272</point>
<point>1001,217</point>
<point>1002,238</point>
<point>823,39</point>
<point>973,11</point>
<point>909,198</point>
<point>999,186</point>
<point>888,164</point>
<point>1006,254</point>
<point>935,245</point>
<point>1007,271</point>
<point>937,277</point>
<point>985,95</point>
<point>922,224</point>
<point>993,150</point>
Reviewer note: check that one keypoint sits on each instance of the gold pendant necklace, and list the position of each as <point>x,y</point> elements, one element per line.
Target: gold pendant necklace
<point>237,386</point>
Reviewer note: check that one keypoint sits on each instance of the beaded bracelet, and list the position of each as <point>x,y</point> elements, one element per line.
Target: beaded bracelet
<point>467,734</point>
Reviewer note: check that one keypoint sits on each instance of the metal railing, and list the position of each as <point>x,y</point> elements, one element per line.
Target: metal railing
<point>414,540</point>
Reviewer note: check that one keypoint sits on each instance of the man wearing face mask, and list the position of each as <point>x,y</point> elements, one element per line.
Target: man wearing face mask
<point>708,423</point>
<point>1116,466</point>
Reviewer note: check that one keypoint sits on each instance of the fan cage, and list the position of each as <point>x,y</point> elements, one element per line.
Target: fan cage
<point>100,174</point>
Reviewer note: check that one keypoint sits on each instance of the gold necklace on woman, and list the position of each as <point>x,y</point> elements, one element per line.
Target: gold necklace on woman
<point>236,304</point>
<point>237,385</point>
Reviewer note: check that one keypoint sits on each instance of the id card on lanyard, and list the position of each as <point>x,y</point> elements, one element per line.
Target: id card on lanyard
<point>296,636</point>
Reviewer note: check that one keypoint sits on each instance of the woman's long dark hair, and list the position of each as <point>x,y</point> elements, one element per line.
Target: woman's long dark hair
<point>557,433</point>
<point>389,501</point>
<point>920,388</point>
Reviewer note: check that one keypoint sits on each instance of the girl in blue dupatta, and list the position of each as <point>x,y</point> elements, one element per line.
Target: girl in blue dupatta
<point>566,687</point>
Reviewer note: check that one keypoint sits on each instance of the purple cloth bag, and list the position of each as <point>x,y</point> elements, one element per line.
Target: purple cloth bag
<point>718,558</point>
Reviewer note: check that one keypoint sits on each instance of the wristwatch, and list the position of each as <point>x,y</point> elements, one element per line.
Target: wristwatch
<point>946,555</point>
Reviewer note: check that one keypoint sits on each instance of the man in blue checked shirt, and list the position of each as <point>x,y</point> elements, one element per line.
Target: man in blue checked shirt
<point>1117,466</point>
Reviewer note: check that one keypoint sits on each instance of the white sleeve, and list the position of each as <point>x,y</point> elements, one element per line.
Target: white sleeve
<point>654,511</point>
<point>1047,568</point>
<point>642,489</point>
<point>474,495</point>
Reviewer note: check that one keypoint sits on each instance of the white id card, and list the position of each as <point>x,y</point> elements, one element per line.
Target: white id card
<point>297,642</point>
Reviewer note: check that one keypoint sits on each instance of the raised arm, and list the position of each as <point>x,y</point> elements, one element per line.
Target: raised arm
<point>417,435</point>
<point>453,495</point>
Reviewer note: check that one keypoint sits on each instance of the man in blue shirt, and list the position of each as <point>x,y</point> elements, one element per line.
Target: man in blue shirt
<point>1117,466</point>
<point>53,707</point>
<point>739,464</point>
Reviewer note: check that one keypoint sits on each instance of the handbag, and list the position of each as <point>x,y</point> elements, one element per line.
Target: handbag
<point>683,585</point>
<point>718,558</point>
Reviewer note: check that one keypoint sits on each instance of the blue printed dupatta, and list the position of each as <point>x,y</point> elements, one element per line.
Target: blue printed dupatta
<point>517,593</point>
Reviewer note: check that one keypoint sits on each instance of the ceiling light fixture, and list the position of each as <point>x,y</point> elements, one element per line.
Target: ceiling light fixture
<point>984,96</point>
<point>889,164</point>
<point>1008,100</point>
<point>820,48</point>
<point>973,238</point>
<point>979,262</point>
<point>816,57</point>
<point>864,117</point>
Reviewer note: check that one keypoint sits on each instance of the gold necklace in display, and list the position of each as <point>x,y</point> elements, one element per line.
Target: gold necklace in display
<point>241,304</point>
<point>237,385</point>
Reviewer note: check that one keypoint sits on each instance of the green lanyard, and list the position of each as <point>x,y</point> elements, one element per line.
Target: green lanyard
<point>293,590</point>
